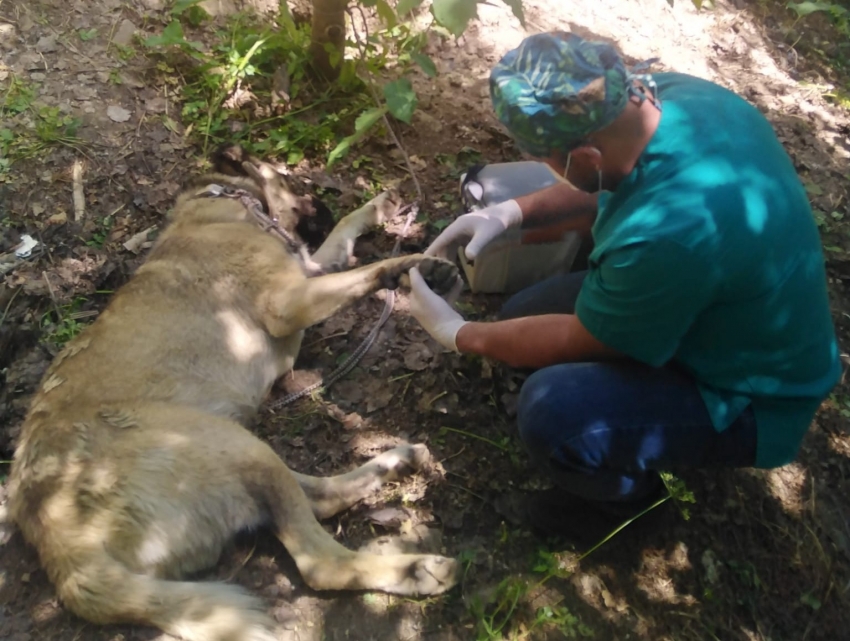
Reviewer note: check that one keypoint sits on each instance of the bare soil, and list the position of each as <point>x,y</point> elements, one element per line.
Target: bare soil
<point>765,555</point>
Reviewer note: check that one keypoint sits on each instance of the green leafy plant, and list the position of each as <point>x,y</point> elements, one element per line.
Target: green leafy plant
<point>504,612</point>
<point>839,15</point>
<point>101,232</point>
<point>27,129</point>
<point>228,91</point>
<point>679,493</point>
<point>62,323</point>
<point>226,80</point>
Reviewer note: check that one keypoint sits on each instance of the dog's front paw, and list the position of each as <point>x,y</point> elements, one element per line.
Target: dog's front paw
<point>440,274</point>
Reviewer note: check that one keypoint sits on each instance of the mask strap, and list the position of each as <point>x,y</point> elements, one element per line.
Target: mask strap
<point>567,169</point>
<point>638,73</point>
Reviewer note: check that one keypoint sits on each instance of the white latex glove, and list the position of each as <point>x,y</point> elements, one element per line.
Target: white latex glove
<point>479,227</point>
<point>435,314</point>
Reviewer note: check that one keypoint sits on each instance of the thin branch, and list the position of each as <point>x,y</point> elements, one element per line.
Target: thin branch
<point>371,85</point>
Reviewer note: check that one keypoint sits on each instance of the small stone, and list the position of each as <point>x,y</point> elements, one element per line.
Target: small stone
<point>7,35</point>
<point>37,76</point>
<point>131,80</point>
<point>46,44</point>
<point>58,219</point>
<point>118,114</point>
<point>156,105</point>
<point>25,23</point>
<point>124,35</point>
<point>84,93</point>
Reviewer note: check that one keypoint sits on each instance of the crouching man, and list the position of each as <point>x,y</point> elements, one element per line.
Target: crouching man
<point>700,335</point>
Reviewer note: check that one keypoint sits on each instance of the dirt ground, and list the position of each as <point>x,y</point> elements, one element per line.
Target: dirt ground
<point>765,555</point>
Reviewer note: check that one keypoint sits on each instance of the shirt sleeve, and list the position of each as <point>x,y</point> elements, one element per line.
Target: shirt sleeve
<point>642,298</point>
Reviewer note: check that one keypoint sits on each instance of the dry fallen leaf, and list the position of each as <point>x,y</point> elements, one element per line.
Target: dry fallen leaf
<point>58,218</point>
<point>118,114</point>
<point>417,357</point>
<point>389,517</point>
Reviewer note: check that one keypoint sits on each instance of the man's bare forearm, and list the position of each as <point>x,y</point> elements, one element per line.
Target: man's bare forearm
<point>533,341</point>
<point>556,204</point>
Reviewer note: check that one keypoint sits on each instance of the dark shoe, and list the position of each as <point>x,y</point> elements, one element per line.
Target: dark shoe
<point>556,514</point>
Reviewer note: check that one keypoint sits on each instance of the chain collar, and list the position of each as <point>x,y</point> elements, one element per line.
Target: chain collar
<point>255,207</point>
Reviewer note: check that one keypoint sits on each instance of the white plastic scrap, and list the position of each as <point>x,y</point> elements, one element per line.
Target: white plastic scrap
<point>28,243</point>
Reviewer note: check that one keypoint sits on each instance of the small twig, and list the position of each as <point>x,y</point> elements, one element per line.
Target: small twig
<point>325,338</point>
<point>455,455</point>
<point>9,305</point>
<point>622,526</point>
<point>52,297</point>
<point>437,398</point>
<point>80,632</point>
<point>400,377</point>
<point>79,196</point>
<point>111,35</point>
<point>404,391</point>
<point>244,562</point>
<point>468,491</point>
<point>471,435</point>
<point>371,85</point>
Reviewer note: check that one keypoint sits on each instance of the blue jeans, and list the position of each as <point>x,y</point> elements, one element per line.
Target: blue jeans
<point>602,430</point>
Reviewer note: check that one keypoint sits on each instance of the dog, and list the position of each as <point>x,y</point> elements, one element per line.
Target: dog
<point>135,468</point>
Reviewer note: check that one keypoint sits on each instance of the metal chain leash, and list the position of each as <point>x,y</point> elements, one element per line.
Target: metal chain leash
<point>351,362</point>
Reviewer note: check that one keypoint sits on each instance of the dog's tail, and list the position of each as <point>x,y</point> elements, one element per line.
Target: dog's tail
<point>107,592</point>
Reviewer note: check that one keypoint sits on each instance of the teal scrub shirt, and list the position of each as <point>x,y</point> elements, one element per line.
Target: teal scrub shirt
<point>707,256</point>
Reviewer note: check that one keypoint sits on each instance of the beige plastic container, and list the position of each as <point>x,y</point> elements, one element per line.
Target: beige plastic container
<point>506,266</point>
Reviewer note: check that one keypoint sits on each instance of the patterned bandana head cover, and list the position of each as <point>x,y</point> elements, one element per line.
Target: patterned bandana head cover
<point>556,88</point>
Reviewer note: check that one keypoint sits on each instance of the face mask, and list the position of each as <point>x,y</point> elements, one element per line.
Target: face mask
<point>567,169</point>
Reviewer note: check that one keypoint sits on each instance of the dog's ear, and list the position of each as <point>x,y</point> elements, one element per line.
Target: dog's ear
<point>314,227</point>
<point>228,159</point>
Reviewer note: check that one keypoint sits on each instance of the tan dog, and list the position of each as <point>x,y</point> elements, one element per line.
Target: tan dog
<point>134,468</point>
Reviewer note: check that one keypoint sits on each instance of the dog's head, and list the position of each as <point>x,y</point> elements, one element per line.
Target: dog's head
<point>302,216</point>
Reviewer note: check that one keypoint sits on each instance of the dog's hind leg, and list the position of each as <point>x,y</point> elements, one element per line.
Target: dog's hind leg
<point>333,494</point>
<point>101,590</point>
<point>327,565</point>
<point>338,249</point>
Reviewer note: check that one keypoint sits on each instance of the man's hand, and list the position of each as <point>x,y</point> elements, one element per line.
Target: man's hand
<point>479,227</point>
<point>434,314</point>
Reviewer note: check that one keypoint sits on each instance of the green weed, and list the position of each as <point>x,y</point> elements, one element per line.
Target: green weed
<point>228,88</point>
<point>61,324</point>
<point>507,612</point>
<point>101,233</point>
<point>28,130</point>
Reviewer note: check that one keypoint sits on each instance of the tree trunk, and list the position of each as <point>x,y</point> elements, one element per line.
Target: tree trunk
<point>328,33</point>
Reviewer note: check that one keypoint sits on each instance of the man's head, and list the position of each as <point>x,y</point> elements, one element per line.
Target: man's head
<point>559,95</point>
